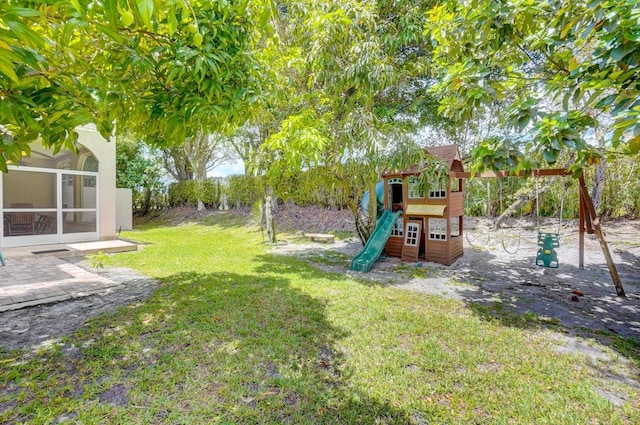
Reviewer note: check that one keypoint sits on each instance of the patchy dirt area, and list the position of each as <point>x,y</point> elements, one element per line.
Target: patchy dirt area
<point>288,217</point>
<point>508,279</point>
<point>494,280</point>
<point>573,306</point>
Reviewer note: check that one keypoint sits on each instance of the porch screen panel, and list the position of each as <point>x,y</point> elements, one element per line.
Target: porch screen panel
<point>79,202</point>
<point>29,223</point>
<point>29,202</point>
<point>29,189</point>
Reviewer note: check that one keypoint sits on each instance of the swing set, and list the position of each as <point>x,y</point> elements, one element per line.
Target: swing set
<point>548,242</point>
<point>485,234</point>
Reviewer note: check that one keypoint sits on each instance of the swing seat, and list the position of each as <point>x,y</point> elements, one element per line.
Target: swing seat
<point>554,239</point>
<point>547,255</point>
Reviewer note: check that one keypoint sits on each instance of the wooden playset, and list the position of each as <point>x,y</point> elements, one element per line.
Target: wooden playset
<point>431,223</point>
<point>426,221</point>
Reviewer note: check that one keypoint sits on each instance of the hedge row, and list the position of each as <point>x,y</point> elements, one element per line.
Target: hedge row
<point>238,191</point>
<point>306,188</point>
<point>186,193</point>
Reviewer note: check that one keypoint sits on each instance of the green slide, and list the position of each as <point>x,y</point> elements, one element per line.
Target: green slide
<point>374,246</point>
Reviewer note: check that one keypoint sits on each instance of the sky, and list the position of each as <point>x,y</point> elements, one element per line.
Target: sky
<point>227,169</point>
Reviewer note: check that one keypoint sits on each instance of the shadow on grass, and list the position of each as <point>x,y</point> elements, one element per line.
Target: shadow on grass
<point>223,348</point>
<point>293,265</point>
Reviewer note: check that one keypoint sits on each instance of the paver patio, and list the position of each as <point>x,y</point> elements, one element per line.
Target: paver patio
<point>28,281</point>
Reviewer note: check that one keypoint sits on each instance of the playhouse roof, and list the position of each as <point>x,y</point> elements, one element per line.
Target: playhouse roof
<point>449,154</point>
<point>446,153</point>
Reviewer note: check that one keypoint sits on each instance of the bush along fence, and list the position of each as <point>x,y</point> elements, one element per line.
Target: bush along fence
<point>307,188</point>
<point>232,191</point>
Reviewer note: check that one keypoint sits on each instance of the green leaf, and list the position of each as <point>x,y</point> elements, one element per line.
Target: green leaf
<point>550,155</point>
<point>568,27</point>
<point>145,9</point>
<point>577,95</point>
<point>620,106</point>
<point>565,101</point>
<point>571,144</point>
<point>172,21</point>
<point>7,68</point>
<point>619,53</point>
<point>76,5</point>
<point>21,12</point>
<point>25,34</point>
<point>264,17</point>
<point>606,101</point>
<point>111,12</point>
<point>523,121</point>
<point>634,145</point>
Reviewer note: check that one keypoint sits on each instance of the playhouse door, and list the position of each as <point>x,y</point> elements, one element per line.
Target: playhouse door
<point>411,246</point>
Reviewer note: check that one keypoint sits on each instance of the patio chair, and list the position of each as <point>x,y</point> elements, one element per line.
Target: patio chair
<point>21,223</point>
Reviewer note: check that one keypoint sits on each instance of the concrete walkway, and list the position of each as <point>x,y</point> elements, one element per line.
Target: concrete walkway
<point>71,249</point>
<point>37,274</point>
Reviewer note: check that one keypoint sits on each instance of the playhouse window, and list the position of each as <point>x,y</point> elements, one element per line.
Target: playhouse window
<point>437,190</point>
<point>438,229</point>
<point>411,238</point>
<point>398,228</point>
<point>414,188</point>
<point>456,185</point>
<point>454,226</point>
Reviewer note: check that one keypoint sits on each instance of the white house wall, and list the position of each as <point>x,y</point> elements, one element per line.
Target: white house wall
<point>124,206</point>
<point>105,153</point>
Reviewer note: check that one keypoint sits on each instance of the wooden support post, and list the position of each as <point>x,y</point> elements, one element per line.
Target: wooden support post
<point>603,243</point>
<point>587,216</point>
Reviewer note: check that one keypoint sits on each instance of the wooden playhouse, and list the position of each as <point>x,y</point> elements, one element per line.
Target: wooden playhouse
<point>431,224</point>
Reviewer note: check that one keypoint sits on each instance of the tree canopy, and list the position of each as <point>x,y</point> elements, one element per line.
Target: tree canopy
<point>322,81</point>
<point>174,66</point>
<point>552,71</point>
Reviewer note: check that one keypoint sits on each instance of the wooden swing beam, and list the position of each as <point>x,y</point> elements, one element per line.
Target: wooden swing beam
<point>588,219</point>
<point>503,174</point>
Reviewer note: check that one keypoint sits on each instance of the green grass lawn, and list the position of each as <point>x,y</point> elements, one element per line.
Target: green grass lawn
<point>236,334</point>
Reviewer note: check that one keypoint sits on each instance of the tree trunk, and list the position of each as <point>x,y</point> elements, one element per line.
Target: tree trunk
<point>177,164</point>
<point>372,216</point>
<point>195,150</point>
<point>354,207</point>
<point>201,206</point>
<point>521,200</point>
<point>199,202</point>
<point>269,215</point>
<point>598,184</point>
<point>598,177</point>
<point>146,206</point>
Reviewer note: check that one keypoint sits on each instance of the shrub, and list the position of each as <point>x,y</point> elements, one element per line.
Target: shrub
<point>187,192</point>
<point>243,190</point>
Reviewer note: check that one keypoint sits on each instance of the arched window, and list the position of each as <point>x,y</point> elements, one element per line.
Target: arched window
<point>90,163</point>
<point>40,157</point>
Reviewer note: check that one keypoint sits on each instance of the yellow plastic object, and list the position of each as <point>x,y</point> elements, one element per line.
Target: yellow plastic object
<point>434,210</point>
